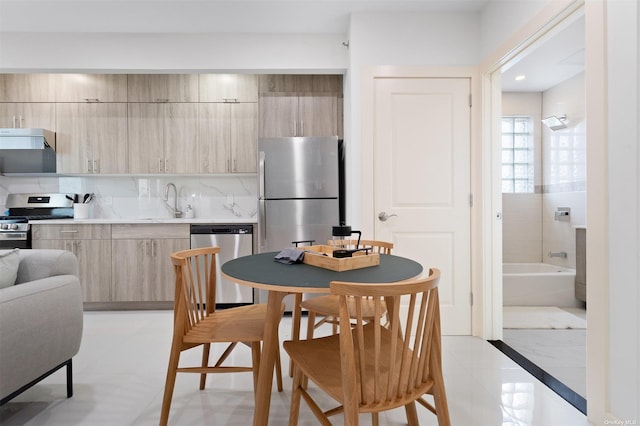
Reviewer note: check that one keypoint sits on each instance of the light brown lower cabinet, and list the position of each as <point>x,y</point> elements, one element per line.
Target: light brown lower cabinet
<point>121,262</point>
<point>92,246</point>
<point>142,270</point>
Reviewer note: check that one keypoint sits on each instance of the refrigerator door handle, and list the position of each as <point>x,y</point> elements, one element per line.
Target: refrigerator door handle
<point>261,156</point>
<point>262,224</point>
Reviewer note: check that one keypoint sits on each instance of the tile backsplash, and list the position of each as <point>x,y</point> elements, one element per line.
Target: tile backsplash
<point>137,197</point>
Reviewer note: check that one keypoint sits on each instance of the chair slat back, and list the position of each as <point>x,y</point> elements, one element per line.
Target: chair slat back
<point>195,295</point>
<point>388,366</point>
<point>383,247</point>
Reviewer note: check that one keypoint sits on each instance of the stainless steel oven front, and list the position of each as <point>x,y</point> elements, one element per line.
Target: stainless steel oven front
<point>14,233</point>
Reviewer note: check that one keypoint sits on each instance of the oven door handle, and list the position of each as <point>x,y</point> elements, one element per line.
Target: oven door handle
<point>12,236</point>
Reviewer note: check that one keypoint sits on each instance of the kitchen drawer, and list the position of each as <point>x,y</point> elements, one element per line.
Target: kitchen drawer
<point>71,232</point>
<point>152,230</point>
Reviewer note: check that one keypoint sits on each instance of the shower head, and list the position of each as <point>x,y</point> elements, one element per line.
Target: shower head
<point>555,123</point>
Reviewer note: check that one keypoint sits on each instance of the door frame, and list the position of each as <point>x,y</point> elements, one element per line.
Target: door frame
<point>554,14</point>
<point>532,35</point>
<point>477,185</point>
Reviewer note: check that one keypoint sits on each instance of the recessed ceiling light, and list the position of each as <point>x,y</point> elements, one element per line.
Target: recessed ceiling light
<point>520,77</point>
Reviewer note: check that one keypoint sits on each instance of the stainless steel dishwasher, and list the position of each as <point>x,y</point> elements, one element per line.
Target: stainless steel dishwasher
<point>234,241</point>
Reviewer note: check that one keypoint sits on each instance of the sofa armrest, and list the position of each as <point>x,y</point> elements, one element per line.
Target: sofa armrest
<point>40,263</point>
<point>40,328</point>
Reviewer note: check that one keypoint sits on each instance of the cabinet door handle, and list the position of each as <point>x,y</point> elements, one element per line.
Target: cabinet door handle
<point>75,231</point>
<point>230,100</point>
<point>153,248</point>
<point>91,100</point>
<point>166,165</point>
<point>20,122</point>
<point>13,122</point>
<point>96,166</point>
<point>162,100</point>
<point>301,128</point>
<point>89,169</point>
<point>160,164</point>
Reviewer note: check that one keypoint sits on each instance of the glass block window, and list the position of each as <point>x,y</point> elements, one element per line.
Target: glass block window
<point>517,154</point>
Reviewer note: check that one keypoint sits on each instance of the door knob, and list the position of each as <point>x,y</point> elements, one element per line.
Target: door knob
<point>383,216</point>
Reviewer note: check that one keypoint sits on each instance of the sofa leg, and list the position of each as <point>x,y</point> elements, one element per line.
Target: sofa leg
<point>69,379</point>
<point>45,375</point>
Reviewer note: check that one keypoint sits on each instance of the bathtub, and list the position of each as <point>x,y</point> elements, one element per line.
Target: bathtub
<point>538,284</point>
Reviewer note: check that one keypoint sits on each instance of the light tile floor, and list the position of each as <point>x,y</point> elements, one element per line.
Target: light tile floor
<point>561,353</point>
<point>120,370</point>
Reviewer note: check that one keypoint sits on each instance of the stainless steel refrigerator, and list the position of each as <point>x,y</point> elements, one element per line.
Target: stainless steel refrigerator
<point>298,191</point>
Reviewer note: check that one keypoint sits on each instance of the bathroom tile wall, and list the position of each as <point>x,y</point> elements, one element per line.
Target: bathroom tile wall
<point>521,228</point>
<point>137,197</point>
<point>530,230</point>
<point>522,213</point>
<point>564,169</point>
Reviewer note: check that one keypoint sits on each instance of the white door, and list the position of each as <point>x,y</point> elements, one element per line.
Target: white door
<point>422,182</point>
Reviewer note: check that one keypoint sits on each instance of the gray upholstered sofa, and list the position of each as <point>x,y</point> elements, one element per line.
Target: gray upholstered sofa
<point>40,321</point>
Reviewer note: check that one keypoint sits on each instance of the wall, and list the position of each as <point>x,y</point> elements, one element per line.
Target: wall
<point>564,169</point>
<point>619,203</point>
<point>394,40</point>
<point>138,197</point>
<point>522,213</point>
<point>171,52</point>
<point>501,19</point>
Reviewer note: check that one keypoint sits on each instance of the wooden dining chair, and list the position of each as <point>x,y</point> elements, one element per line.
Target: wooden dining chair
<point>327,306</point>
<point>198,323</point>
<point>370,367</point>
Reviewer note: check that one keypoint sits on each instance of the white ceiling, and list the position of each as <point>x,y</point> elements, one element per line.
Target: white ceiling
<point>555,61</point>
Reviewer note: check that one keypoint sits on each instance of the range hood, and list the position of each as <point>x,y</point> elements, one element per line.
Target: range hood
<point>27,151</point>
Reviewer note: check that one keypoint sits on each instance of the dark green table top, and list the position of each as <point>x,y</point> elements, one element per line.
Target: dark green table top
<point>261,271</point>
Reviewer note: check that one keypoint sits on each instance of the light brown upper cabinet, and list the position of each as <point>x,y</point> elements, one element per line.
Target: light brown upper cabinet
<point>91,88</point>
<point>162,87</point>
<point>317,83</point>
<point>28,115</point>
<point>228,137</point>
<point>163,137</point>
<point>92,138</point>
<point>300,105</point>
<point>292,114</point>
<point>27,87</point>
<point>228,88</point>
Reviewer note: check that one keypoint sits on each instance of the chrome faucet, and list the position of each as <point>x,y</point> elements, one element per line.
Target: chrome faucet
<point>561,254</point>
<point>176,213</point>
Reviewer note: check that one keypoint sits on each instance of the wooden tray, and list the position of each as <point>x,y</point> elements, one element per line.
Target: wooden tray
<point>314,256</point>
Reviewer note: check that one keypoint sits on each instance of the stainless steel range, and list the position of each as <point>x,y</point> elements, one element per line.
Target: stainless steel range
<point>15,230</point>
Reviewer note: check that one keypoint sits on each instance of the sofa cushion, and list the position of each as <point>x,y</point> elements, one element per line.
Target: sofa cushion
<point>9,262</point>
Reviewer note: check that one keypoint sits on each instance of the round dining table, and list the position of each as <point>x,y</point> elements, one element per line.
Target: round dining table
<point>263,272</point>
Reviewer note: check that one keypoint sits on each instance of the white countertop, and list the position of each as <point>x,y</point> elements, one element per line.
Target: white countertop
<point>95,221</point>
